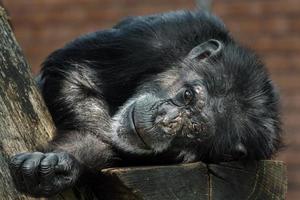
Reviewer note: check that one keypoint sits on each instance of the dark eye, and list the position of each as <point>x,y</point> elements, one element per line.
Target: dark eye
<point>184,97</point>
<point>188,96</point>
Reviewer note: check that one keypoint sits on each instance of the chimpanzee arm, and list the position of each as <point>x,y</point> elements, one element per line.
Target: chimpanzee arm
<point>83,84</point>
<point>82,121</point>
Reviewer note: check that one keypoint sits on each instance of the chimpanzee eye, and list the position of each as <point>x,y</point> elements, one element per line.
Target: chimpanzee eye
<point>184,97</point>
<point>188,96</point>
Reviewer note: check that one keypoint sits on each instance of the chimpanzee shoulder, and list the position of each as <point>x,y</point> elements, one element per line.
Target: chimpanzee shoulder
<point>133,50</point>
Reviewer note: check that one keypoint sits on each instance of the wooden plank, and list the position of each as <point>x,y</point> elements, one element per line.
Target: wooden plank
<point>258,180</point>
<point>197,181</point>
<point>184,182</point>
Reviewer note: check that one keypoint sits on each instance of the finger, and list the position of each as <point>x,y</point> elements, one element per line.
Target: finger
<point>30,169</point>
<point>47,166</point>
<point>17,160</point>
<point>64,165</point>
<point>16,172</point>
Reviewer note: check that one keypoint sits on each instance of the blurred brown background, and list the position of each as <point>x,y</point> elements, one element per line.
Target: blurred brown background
<point>272,28</point>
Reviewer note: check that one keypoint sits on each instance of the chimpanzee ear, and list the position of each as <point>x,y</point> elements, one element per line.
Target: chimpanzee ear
<point>205,50</point>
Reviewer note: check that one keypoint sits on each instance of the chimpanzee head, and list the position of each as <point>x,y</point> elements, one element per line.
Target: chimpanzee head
<point>217,104</point>
<point>212,101</point>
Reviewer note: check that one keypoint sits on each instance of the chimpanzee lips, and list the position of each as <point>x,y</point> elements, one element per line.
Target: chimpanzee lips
<point>131,118</point>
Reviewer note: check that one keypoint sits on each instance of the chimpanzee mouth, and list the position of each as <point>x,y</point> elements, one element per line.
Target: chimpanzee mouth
<point>133,127</point>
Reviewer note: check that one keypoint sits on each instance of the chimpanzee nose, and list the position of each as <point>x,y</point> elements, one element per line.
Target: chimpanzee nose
<point>206,49</point>
<point>167,113</point>
<point>239,152</point>
<point>168,118</point>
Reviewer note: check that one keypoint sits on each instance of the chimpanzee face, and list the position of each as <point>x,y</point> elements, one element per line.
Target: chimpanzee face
<point>216,105</point>
<point>174,117</point>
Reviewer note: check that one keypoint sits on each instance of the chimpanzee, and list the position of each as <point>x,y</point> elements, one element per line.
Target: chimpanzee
<point>159,89</point>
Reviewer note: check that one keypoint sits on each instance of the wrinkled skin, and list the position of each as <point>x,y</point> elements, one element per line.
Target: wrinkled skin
<point>158,89</point>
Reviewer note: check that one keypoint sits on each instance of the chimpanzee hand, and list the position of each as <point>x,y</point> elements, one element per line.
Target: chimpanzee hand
<point>44,174</point>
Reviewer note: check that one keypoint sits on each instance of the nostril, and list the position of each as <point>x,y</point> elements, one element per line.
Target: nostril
<point>161,112</point>
<point>167,116</point>
<point>161,116</point>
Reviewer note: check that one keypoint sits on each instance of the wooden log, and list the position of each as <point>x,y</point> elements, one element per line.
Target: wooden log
<point>25,123</point>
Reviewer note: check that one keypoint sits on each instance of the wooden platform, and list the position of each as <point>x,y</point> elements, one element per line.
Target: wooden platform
<point>264,180</point>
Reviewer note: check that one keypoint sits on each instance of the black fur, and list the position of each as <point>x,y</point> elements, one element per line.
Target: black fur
<point>152,90</point>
